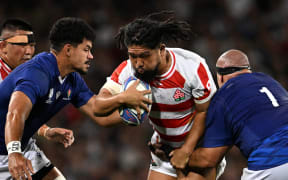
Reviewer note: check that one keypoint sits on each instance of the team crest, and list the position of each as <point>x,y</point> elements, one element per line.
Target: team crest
<point>68,95</point>
<point>178,95</point>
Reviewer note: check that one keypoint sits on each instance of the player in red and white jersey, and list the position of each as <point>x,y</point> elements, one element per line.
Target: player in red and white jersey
<point>187,82</point>
<point>181,85</point>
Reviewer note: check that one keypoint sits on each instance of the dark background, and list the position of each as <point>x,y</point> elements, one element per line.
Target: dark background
<point>257,27</point>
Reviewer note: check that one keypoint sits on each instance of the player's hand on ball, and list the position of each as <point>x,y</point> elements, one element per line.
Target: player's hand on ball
<point>19,166</point>
<point>61,135</point>
<point>179,158</point>
<point>135,98</point>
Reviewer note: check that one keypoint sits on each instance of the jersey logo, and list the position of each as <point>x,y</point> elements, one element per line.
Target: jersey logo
<point>49,100</point>
<point>68,95</point>
<point>178,95</point>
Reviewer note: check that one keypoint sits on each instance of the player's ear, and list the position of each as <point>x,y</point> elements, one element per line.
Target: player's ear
<point>67,49</point>
<point>162,48</point>
<point>3,46</point>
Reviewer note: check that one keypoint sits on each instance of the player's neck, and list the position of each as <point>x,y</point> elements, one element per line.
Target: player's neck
<point>165,63</point>
<point>63,67</point>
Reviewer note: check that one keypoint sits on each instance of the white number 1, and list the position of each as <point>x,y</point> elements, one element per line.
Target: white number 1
<point>270,96</point>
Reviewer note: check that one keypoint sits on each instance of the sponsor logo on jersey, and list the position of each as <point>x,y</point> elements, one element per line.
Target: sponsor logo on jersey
<point>178,95</point>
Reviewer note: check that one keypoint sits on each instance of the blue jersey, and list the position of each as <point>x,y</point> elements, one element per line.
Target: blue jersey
<point>250,111</point>
<point>40,80</point>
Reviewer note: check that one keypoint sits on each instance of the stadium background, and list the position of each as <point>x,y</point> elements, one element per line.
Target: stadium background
<point>258,27</point>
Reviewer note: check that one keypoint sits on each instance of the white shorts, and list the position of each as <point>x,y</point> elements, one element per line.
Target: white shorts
<point>278,173</point>
<point>165,167</point>
<point>31,152</point>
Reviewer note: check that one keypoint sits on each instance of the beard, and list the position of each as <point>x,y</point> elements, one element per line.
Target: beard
<point>147,76</point>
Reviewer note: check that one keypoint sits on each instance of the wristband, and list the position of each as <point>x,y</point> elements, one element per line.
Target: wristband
<point>14,146</point>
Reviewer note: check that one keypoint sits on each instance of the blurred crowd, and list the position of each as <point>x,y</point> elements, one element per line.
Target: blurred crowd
<point>257,27</point>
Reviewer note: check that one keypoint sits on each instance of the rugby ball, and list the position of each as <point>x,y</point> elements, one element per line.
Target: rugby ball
<point>129,115</point>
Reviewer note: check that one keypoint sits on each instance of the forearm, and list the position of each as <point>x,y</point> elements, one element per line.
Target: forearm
<point>14,127</point>
<point>103,106</point>
<point>199,159</point>
<point>196,132</point>
<point>107,121</point>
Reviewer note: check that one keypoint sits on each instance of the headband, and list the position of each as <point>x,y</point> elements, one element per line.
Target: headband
<point>230,70</point>
<point>20,39</point>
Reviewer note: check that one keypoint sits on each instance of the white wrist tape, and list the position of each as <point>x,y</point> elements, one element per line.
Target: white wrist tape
<point>60,178</point>
<point>14,146</point>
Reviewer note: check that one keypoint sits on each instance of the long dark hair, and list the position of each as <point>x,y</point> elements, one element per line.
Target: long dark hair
<point>149,32</point>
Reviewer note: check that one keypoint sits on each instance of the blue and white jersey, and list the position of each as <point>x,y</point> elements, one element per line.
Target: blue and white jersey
<point>40,80</point>
<point>250,111</point>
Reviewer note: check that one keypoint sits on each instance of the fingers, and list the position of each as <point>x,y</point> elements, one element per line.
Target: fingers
<point>138,112</point>
<point>29,165</point>
<point>144,106</point>
<point>146,91</point>
<point>151,147</point>
<point>20,168</point>
<point>135,83</point>
<point>27,173</point>
<point>68,139</point>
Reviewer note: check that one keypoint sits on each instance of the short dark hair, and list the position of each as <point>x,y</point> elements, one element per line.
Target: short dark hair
<point>149,32</point>
<point>14,24</point>
<point>69,30</point>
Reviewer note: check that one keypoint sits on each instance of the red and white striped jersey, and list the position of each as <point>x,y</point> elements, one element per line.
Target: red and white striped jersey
<point>4,70</point>
<point>174,93</point>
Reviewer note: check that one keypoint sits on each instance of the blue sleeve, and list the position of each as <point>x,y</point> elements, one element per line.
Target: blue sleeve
<point>32,82</point>
<point>217,132</point>
<point>83,93</point>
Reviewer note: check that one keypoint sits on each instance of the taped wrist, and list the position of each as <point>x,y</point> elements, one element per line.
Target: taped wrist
<point>14,146</point>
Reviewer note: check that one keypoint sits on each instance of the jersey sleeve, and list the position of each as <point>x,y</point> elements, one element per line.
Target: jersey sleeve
<point>33,82</point>
<point>217,132</point>
<point>114,82</point>
<point>204,86</point>
<point>83,93</point>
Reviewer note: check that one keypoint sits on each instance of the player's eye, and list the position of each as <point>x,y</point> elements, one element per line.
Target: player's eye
<point>144,56</point>
<point>133,56</point>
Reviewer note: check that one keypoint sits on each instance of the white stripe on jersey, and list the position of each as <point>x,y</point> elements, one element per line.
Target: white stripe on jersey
<point>170,115</point>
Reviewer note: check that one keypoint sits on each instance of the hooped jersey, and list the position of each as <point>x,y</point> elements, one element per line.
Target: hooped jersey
<point>174,93</point>
<point>4,70</point>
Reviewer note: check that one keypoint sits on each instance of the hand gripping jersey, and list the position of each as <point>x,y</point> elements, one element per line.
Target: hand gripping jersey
<point>174,94</point>
<point>40,80</point>
<point>4,70</point>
